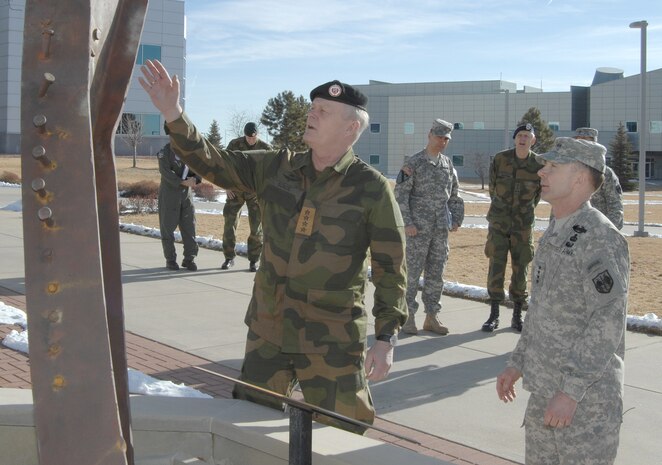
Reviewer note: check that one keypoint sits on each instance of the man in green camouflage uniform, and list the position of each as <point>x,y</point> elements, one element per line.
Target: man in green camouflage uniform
<point>515,192</point>
<point>609,197</point>
<point>571,353</point>
<point>176,208</point>
<point>323,210</point>
<point>236,200</point>
<point>427,191</point>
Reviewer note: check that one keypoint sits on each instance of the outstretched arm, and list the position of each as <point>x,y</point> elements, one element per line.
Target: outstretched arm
<point>162,89</point>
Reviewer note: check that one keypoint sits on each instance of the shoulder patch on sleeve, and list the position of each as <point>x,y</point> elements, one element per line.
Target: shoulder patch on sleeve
<point>603,282</point>
<point>402,177</point>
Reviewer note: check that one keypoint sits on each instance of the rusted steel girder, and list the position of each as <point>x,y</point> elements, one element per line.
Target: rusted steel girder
<point>78,57</point>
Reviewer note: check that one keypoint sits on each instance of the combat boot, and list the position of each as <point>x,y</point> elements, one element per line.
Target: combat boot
<point>516,322</point>
<point>410,325</point>
<point>492,322</point>
<point>433,324</point>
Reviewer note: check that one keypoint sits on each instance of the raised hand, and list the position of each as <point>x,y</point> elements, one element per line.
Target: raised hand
<point>162,89</point>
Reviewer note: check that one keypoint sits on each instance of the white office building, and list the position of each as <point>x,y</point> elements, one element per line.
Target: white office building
<point>163,38</point>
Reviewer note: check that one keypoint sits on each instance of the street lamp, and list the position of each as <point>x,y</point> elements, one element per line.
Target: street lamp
<point>643,126</point>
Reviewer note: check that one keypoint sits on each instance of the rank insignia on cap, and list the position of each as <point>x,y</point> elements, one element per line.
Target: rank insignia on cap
<point>335,90</point>
<point>603,282</point>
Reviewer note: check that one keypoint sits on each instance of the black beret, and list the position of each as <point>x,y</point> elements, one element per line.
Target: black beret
<point>524,127</point>
<point>337,91</point>
<point>250,129</point>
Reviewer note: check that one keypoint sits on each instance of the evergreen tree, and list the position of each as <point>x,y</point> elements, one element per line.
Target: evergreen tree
<point>544,135</point>
<point>620,149</point>
<point>214,135</point>
<point>285,120</point>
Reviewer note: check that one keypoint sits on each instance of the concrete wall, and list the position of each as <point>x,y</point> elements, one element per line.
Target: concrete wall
<point>169,430</point>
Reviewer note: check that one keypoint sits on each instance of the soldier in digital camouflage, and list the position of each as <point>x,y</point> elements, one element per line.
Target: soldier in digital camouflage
<point>514,192</point>
<point>323,210</point>
<point>236,200</point>
<point>609,197</point>
<point>570,355</point>
<point>427,191</point>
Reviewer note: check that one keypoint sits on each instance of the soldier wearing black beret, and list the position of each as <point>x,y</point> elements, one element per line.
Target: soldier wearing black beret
<point>324,212</point>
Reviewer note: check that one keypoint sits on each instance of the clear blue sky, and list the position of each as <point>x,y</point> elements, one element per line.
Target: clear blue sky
<point>241,53</point>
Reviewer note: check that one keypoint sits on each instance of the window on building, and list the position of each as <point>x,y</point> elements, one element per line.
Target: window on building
<point>554,126</point>
<point>479,125</point>
<point>148,52</point>
<point>375,128</point>
<point>409,128</point>
<point>458,125</point>
<point>656,127</point>
<point>458,160</point>
<point>150,124</point>
<point>631,126</point>
<point>374,160</point>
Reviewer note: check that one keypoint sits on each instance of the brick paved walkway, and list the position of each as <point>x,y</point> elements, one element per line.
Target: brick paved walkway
<point>169,364</point>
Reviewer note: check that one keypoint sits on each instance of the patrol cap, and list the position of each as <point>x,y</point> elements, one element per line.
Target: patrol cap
<point>568,149</point>
<point>337,91</point>
<point>587,132</point>
<point>442,128</point>
<point>524,127</point>
<point>250,129</point>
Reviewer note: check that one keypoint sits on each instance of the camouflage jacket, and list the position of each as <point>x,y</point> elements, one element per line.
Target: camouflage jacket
<point>514,190</point>
<point>171,168</point>
<point>428,198</point>
<point>308,295</point>
<point>574,335</point>
<point>609,198</point>
<point>240,144</point>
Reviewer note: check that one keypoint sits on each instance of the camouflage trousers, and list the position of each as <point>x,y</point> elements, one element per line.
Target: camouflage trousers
<point>591,439</point>
<point>520,246</point>
<point>426,253</point>
<point>231,211</point>
<point>182,215</point>
<point>334,381</point>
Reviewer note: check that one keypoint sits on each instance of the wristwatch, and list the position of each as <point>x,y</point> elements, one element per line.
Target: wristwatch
<point>390,338</point>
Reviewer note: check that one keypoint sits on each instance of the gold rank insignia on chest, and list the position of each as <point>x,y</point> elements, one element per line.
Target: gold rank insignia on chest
<point>305,221</point>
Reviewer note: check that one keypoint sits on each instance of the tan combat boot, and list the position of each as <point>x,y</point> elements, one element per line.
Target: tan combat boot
<point>410,325</point>
<point>433,324</point>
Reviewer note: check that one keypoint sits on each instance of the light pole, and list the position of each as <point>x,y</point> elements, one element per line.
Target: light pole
<point>643,126</point>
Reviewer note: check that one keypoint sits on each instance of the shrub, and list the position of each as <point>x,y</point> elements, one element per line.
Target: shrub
<point>143,189</point>
<point>206,191</point>
<point>10,177</point>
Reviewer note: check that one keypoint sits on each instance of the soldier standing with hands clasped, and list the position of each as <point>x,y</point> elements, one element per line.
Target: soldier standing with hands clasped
<point>236,200</point>
<point>515,192</point>
<point>570,355</point>
<point>323,209</point>
<point>427,192</point>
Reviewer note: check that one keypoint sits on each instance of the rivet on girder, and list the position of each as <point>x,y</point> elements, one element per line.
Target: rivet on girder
<point>52,287</point>
<point>58,382</point>
<point>45,214</point>
<point>47,255</point>
<point>54,350</point>
<point>45,84</point>
<point>39,122</point>
<point>38,185</point>
<point>39,153</point>
<point>46,36</point>
<point>55,316</point>
<point>96,33</point>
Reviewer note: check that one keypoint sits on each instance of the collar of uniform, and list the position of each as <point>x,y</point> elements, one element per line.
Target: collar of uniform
<point>345,162</point>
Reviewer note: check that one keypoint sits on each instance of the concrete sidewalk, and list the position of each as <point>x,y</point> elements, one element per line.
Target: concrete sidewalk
<point>441,387</point>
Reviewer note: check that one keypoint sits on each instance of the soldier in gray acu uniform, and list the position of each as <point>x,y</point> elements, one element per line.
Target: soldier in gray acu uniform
<point>323,211</point>
<point>609,197</point>
<point>427,191</point>
<point>571,351</point>
<point>176,208</point>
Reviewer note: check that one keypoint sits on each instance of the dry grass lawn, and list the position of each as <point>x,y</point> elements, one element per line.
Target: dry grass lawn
<point>467,263</point>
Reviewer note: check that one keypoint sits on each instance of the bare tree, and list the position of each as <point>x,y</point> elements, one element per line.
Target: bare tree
<point>239,119</point>
<point>131,130</point>
<point>481,166</point>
